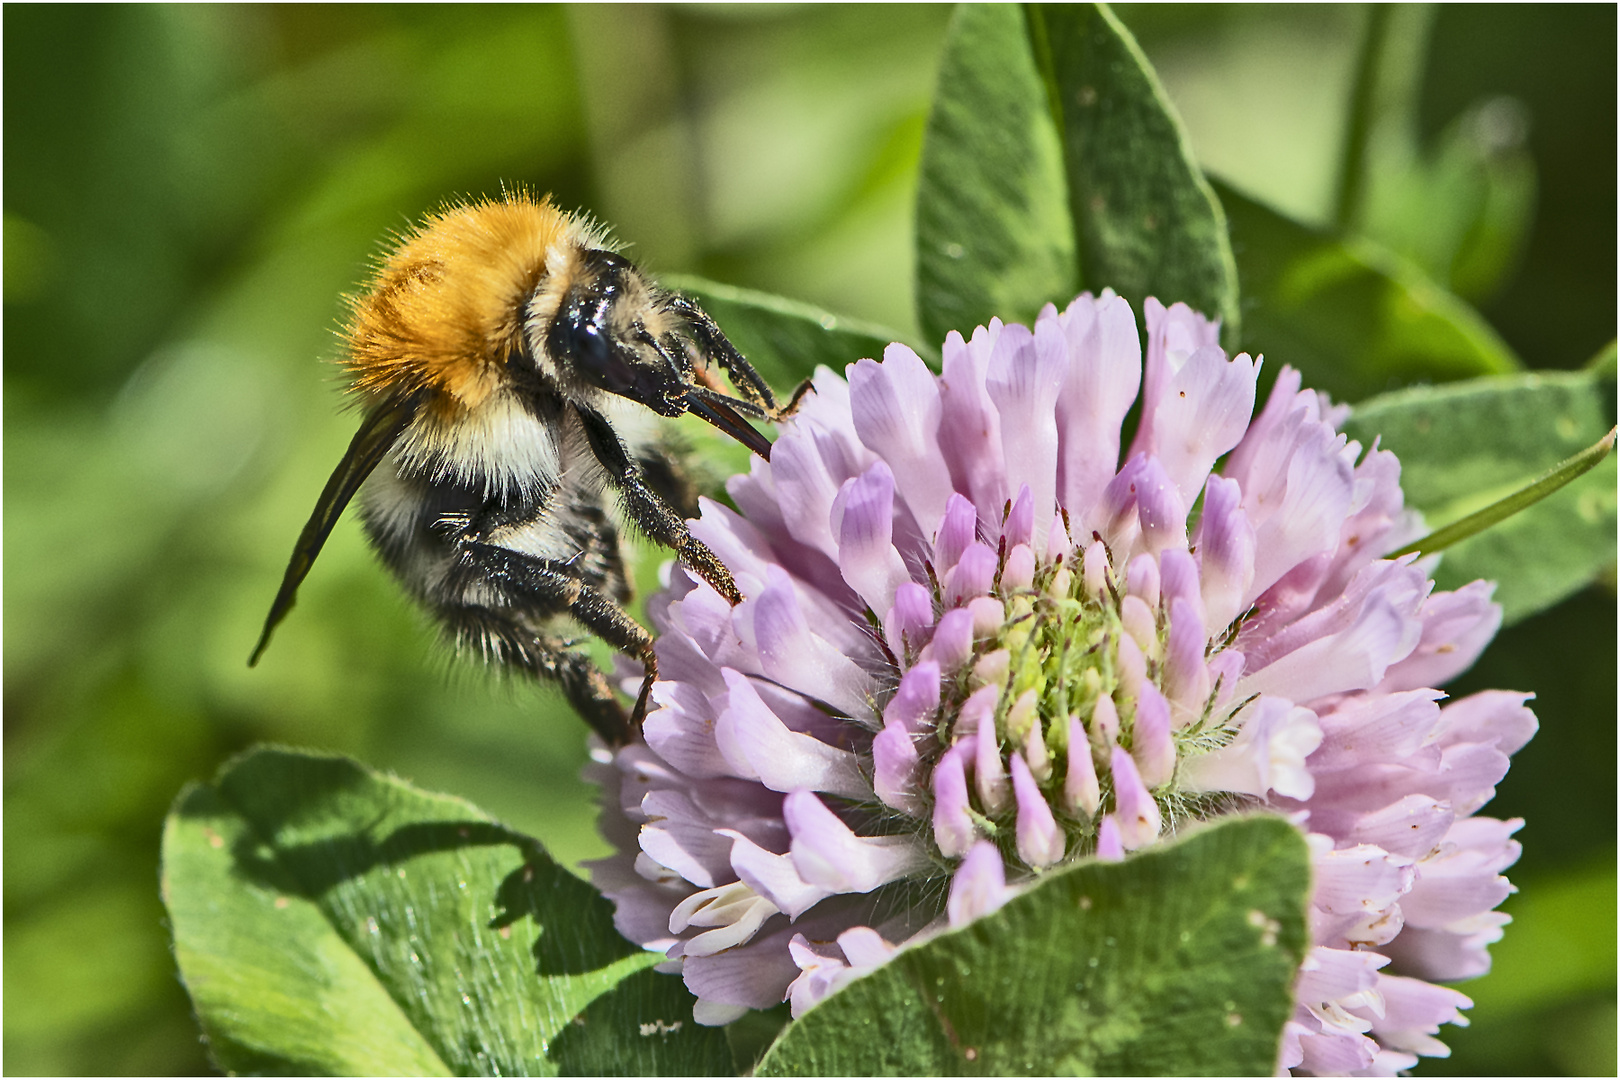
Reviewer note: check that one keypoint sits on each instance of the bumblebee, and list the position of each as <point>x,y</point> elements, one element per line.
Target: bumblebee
<point>507,360</point>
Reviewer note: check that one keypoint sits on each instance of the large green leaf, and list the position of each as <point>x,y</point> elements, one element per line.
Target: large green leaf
<point>1465,445</point>
<point>1148,223</point>
<point>328,920</point>
<point>1356,319</point>
<point>994,235</point>
<point>785,339</point>
<point>1177,961</point>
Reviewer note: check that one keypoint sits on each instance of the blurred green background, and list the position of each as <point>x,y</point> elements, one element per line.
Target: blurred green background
<point>188,191</point>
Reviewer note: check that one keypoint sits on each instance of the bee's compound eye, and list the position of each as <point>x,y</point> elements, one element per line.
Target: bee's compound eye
<point>579,339</point>
<point>591,346</point>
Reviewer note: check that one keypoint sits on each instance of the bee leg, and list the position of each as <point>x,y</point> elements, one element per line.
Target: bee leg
<point>545,587</point>
<point>713,343</point>
<point>669,479</point>
<point>587,689</point>
<point>799,392</point>
<point>651,513</point>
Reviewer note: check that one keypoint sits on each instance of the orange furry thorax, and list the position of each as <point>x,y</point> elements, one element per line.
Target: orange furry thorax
<point>446,308</point>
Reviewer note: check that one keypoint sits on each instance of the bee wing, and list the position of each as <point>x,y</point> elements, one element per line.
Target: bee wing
<point>378,433</point>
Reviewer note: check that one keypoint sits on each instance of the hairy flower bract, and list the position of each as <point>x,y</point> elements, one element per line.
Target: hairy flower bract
<point>975,646</point>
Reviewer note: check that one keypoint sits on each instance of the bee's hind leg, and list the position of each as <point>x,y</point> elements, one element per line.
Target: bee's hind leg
<point>534,590</point>
<point>501,640</point>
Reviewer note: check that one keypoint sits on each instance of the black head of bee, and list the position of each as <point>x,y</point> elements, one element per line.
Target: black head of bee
<point>616,332</point>
<point>610,332</point>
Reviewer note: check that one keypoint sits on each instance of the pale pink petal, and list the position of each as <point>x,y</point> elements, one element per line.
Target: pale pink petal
<point>1152,747</point>
<point>979,885</point>
<point>1026,374</point>
<point>1413,1012</point>
<point>1274,740</point>
<point>973,575</point>
<point>1498,717</point>
<point>1094,570</point>
<point>1202,412</point>
<point>1110,844</point>
<point>896,409</point>
<point>864,947</point>
<point>682,838</point>
<point>794,656</point>
<point>916,699</point>
<point>954,828</point>
<point>1365,730</point>
<point>1355,658</point>
<point>1137,815</point>
<point>1463,878</point>
<point>1348,979</point>
<point>1104,730</point>
<point>754,975</point>
<point>714,1014</point>
<point>952,644</point>
<point>957,530</point>
<point>1243,464</point>
<point>1225,669</point>
<point>805,491</point>
<point>1186,678</point>
<point>735,911</point>
<point>736,543</point>
<point>1019,572</point>
<point>1297,486</point>
<point>1114,515</point>
<point>760,747</point>
<point>1378,521</point>
<point>1278,629</point>
<point>1142,579</point>
<point>1340,1054</point>
<point>1178,579</point>
<point>1174,335</point>
<point>821,973</point>
<point>1356,893</point>
<point>989,615</point>
<point>1225,542</point>
<point>1080,785</point>
<point>828,854</point>
<point>1142,626</point>
<point>773,876</point>
<point>1457,952</point>
<point>683,734</point>
<point>897,769</point>
<point>1104,371</point>
<point>1410,827</point>
<point>702,637</point>
<point>906,624</point>
<point>1019,528</point>
<point>1456,628</point>
<point>1161,510</point>
<point>973,452</point>
<point>989,774</point>
<point>867,557</point>
<point>1040,840</point>
<point>1059,545</point>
